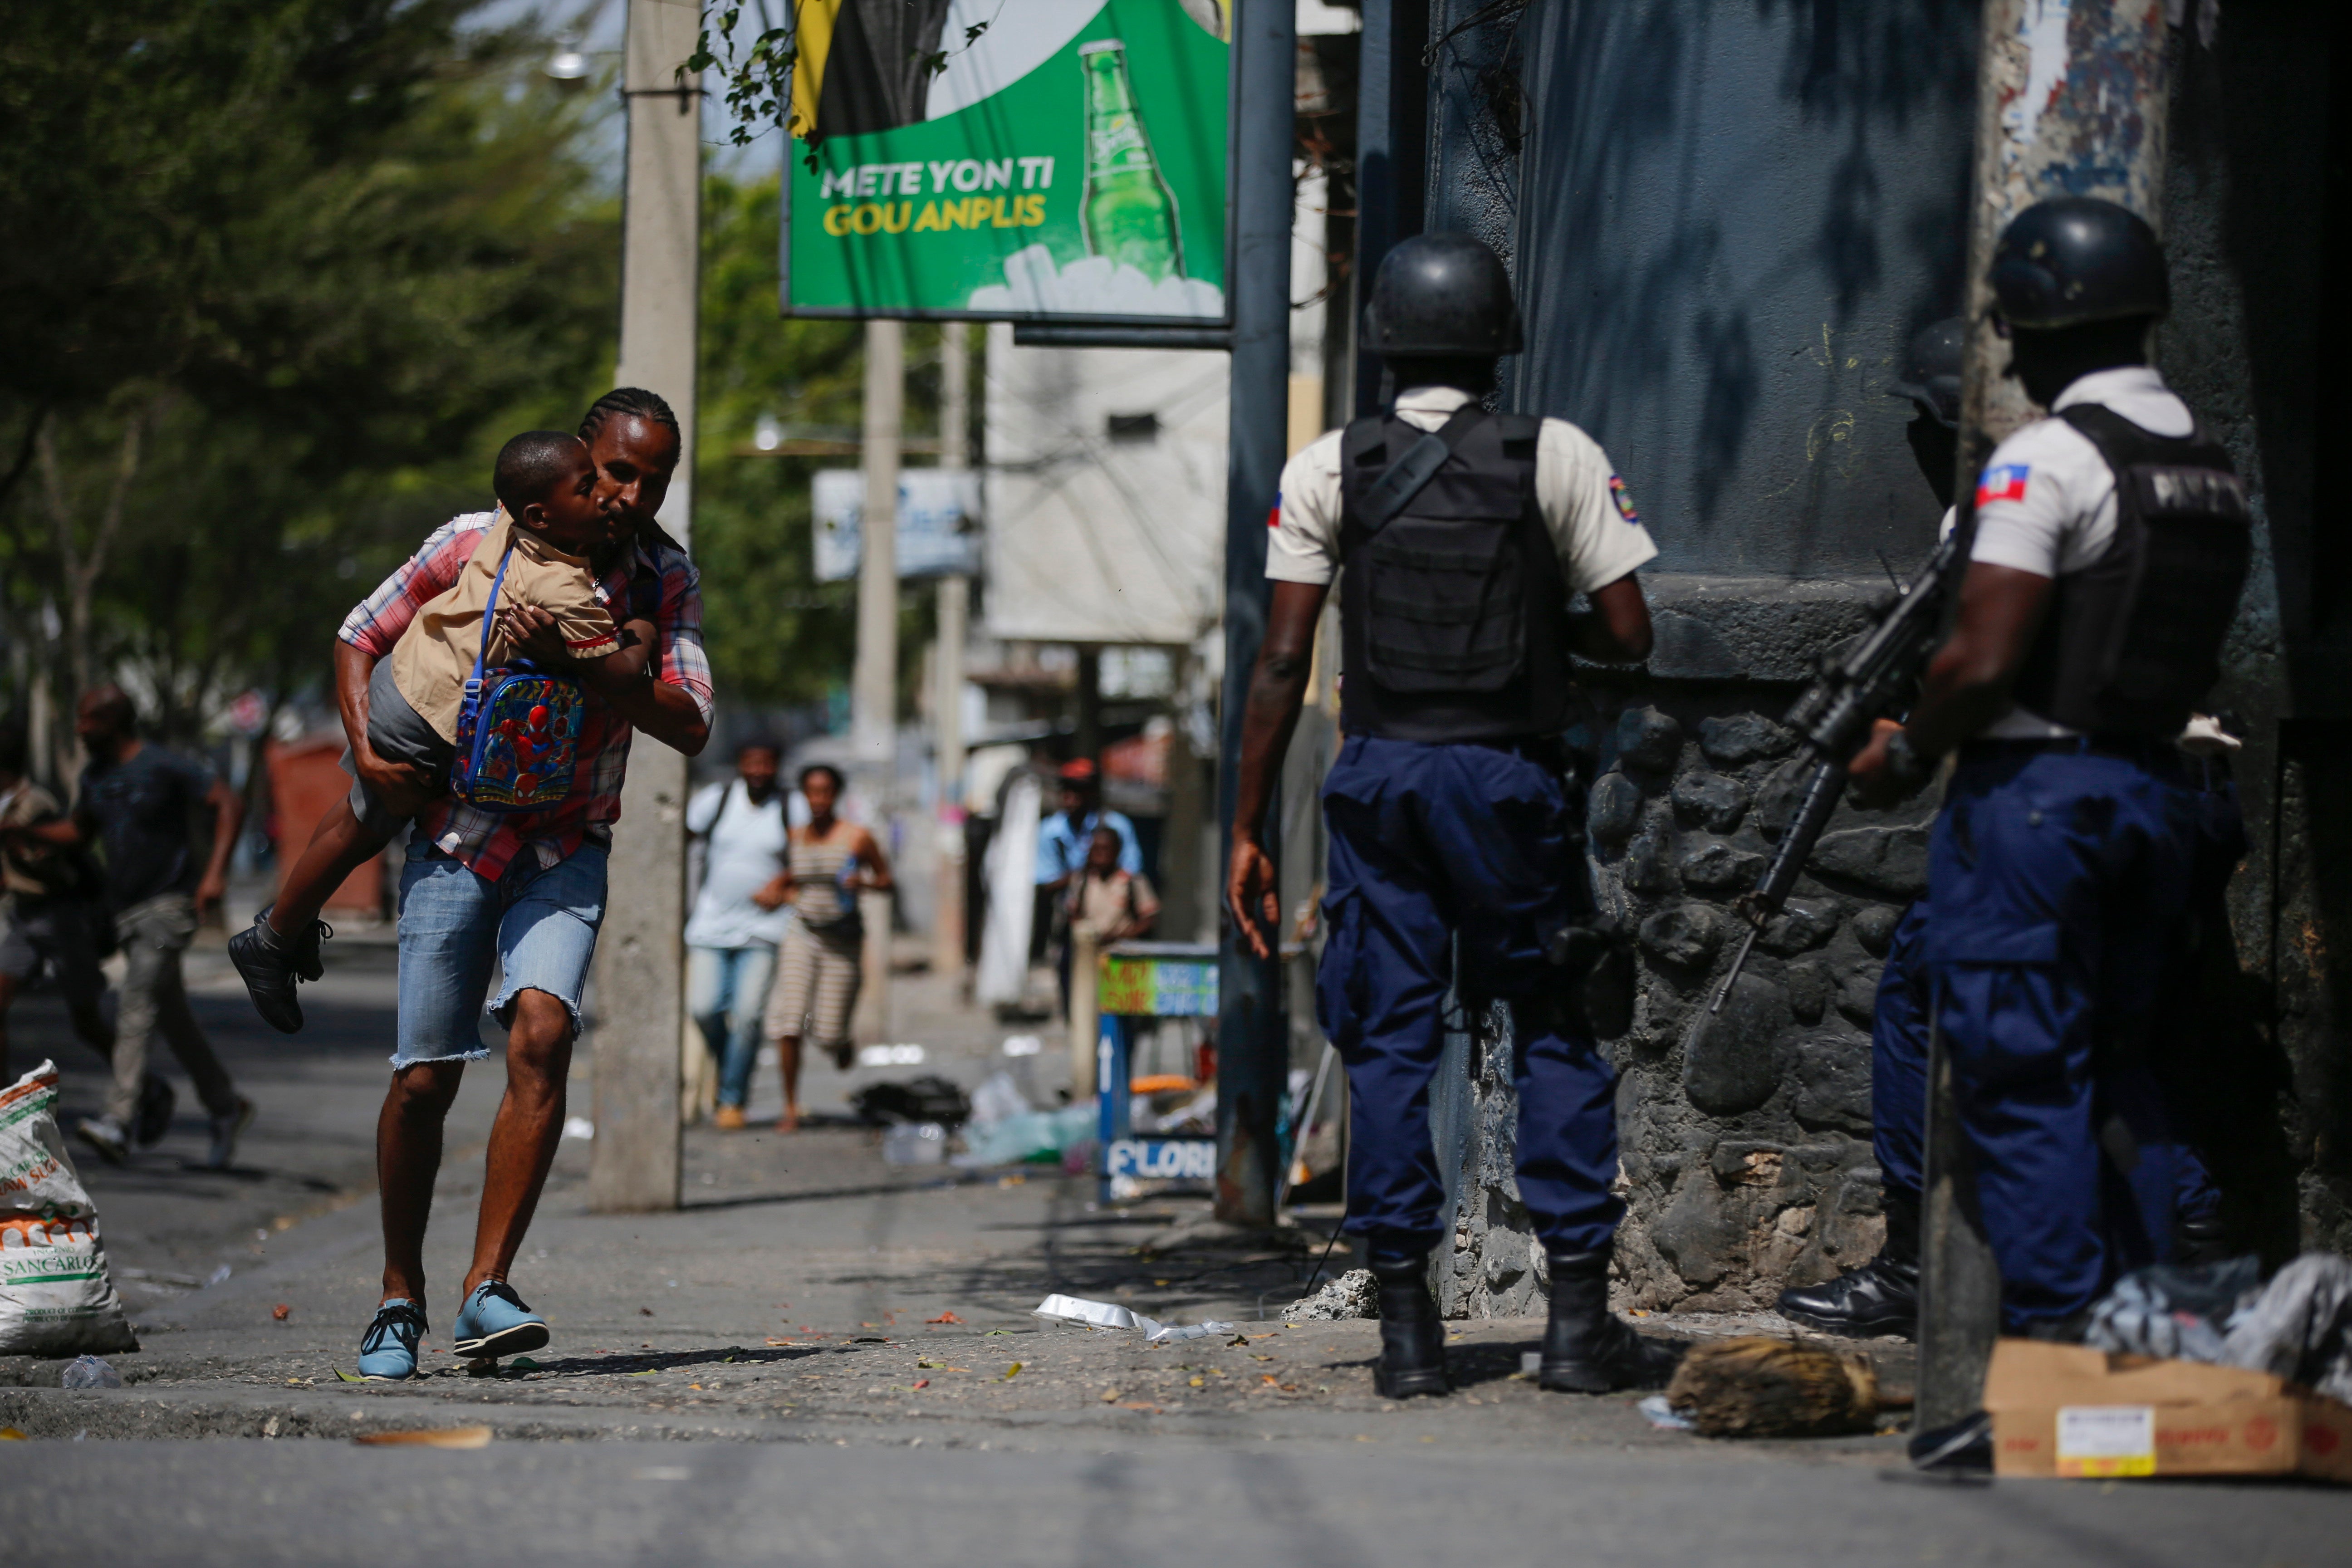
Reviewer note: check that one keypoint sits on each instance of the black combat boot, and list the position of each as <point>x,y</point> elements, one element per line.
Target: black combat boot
<point>1412,1336</point>
<point>1588,1349</point>
<point>1881,1296</point>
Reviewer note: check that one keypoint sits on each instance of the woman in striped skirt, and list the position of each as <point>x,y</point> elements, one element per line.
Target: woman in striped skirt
<point>830,862</point>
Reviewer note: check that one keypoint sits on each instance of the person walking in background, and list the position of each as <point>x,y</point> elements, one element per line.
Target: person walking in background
<point>739,915</point>
<point>1062,837</point>
<point>1107,901</point>
<point>53,918</point>
<point>1062,848</point>
<point>818,967</point>
<point>134,802</point>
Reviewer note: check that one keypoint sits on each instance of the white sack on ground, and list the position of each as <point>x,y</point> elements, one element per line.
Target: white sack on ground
<point>55,1297</point>
<point>1011,863</point>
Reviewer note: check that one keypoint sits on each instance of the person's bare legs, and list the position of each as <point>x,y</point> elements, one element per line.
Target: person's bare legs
<point>407,1158</point>
<point>523,1138</point>
<point>339,847</point>
<point>788,1060</point>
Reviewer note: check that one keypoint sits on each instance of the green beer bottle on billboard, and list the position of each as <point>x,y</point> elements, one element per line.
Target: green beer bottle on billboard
<point>1127,213</point>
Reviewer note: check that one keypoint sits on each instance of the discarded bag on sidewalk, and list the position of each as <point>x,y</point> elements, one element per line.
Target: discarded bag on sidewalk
<point>1110,1315</point>
<point>2298,1327</point>
<point>930,1097</point>
<point>55,1295</point>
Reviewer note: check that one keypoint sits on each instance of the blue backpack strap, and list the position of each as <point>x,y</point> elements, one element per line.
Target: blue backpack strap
<point>489,613</point>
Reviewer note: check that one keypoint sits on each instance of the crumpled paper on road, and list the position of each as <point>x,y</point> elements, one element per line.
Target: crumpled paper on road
<point>1112,1317</point>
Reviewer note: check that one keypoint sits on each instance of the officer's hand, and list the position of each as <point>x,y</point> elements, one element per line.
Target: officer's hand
<point>1873,784</point>
<point>1250,893</point>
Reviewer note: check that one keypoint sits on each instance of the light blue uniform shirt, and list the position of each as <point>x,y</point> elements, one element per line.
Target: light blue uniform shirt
<point>1062,849</point>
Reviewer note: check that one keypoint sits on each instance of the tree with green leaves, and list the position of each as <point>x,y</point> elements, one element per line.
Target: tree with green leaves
<point>284,273</point>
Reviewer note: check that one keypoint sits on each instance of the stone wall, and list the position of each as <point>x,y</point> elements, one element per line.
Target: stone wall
<point>1744,1136</point>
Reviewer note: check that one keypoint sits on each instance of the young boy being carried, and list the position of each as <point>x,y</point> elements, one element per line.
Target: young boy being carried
<point>535,554</point>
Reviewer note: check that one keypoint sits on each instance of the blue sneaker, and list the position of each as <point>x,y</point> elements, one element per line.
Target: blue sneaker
<point>495,1322</point>
<point>388,1353</point>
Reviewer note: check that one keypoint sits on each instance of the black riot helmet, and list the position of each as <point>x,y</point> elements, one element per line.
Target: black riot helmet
<point>2075,259</point>
<point>1442,296</point>
<point>1931,370</point>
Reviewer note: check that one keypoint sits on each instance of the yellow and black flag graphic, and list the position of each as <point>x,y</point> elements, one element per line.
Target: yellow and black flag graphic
<point>865,65</point>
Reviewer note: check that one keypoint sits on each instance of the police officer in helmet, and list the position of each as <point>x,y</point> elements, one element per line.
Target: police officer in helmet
<point>1462,536</point>
<point>2111,543</point>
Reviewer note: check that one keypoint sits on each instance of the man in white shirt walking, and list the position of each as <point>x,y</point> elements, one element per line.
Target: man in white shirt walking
<point>739,916</point>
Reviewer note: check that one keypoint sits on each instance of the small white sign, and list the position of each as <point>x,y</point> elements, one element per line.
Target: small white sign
<point>938,528</point>
<point>1163,1159</point>
<point>2107,1439</point>
<point>891,1056</point>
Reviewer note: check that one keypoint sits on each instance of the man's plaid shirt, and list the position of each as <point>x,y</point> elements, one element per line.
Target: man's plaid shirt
<point>654,580</point>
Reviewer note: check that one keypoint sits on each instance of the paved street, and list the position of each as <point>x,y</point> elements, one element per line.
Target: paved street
<point>823,1358</point>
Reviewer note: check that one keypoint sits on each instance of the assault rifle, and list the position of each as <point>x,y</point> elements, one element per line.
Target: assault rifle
<point>1868,681</point>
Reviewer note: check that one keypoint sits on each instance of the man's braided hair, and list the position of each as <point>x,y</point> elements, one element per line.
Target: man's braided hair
<point>633,403</point>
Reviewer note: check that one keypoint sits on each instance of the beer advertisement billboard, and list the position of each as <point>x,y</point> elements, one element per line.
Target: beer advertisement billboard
<point>1009,160</point>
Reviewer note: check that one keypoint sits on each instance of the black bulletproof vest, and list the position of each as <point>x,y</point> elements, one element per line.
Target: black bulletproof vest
<point>1453,617</point>
<point>2133,642</point>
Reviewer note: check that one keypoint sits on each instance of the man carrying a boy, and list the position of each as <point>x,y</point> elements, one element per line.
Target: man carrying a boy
<point>525,890</point>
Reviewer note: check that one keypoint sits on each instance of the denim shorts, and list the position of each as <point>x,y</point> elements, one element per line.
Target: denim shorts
<point>537,922</point>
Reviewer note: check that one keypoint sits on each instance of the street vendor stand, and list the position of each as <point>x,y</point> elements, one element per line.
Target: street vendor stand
<point>1138,982</point>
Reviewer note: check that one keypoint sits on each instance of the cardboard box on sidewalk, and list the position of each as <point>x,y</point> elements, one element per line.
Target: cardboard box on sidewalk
<point>2068,1410</point>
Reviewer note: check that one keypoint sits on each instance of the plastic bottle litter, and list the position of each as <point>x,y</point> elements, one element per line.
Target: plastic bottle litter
<point>90,1372</point>
<point>1663,1414</point>
<point>915,1144</point>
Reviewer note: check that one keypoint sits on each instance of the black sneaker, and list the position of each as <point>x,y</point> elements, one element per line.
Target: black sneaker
<point>271,965</point>
<point>157,1104</point>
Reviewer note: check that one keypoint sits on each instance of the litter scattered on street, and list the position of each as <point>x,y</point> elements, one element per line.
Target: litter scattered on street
<point>89,1372</point>
<point>438,1438</point>
<point>1109,1315</point>
<point>1759,1386</point>
<point>1659,1411</point>
<point>2298,1327</point>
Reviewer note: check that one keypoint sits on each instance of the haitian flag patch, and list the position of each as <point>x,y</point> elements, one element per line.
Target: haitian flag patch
<point>2006,482</point>
<point>1273,516</point>
<point>1624,500</point>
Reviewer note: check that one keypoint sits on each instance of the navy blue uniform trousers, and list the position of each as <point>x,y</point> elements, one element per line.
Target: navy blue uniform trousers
<point>1904,1014</point>
<point>2059,881</point>
<point>1429,842</point>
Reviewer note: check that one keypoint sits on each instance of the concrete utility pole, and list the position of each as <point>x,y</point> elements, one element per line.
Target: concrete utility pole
<point>2070,101</point>
<point>947,702</point>
<point>641,958</point>
<point>1253,1037</point>
<point>874,685</point>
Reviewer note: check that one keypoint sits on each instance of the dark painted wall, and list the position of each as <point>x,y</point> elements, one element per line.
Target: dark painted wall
<point>1724,218</point>
<point>2258,200</point>
<point>1730,217</point>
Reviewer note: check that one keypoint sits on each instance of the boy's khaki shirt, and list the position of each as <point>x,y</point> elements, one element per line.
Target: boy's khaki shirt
<point>435,657</point>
